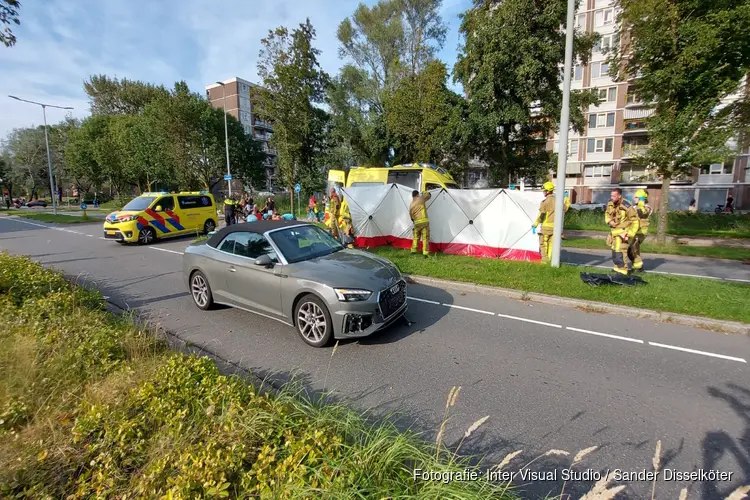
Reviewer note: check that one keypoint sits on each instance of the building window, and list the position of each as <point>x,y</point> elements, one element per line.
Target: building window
<point>601,120</point>
<point>578,75</point>
<point>718,169</point>
<point>581,21</point>
<point>608,94</point>
<point>600,145</point>
<point>606,42</point>
<point>604,17</point>
<point>572,147</point>
<point>599,69</point>
<point>597,171</point>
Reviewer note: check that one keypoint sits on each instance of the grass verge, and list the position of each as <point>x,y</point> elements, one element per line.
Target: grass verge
<point>91,405</point>
<point>59,218</point>
<point>679,223</point>
<point>651,247</point>
<point>693,296</point>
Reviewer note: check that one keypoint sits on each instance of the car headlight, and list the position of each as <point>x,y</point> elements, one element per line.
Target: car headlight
<point>352,294</point>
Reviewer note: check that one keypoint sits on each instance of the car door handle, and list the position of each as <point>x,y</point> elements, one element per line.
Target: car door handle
<point>232,269</point>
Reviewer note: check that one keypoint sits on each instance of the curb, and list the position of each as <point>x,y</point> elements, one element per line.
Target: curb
<point>590,306</point>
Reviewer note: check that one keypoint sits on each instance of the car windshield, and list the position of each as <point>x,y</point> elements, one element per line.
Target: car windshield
<point>304,243</point>
<point>138,204</point>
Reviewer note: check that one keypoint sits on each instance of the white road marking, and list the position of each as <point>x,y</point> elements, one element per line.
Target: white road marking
<point>424,300</point>
<point>91,236</point>
<point>165,250</point>
<point>701,276</point>
<point>29,223</point>
<point>470,309</point>
<point>693,351</point>
<point>102,238</point>
<point>608,335</point>
<point>529,320</point>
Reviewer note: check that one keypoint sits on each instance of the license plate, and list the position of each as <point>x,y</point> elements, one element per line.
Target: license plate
<point>395,288</point>
<point>111,233</point>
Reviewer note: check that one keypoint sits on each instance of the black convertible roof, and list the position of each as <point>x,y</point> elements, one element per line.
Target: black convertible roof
<point>259,227</point>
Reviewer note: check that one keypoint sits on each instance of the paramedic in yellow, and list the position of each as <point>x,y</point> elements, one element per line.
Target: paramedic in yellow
<point>643,211</point>
<point>622,220</point>
<point>546,218</point>
<point>418,213</point>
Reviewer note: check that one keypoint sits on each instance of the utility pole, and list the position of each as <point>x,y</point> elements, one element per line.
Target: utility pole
<point>52,190</point>
<point>562,160</point>
<point>226,136</point>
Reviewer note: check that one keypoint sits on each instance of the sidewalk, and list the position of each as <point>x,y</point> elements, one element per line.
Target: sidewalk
<point>692,241</point>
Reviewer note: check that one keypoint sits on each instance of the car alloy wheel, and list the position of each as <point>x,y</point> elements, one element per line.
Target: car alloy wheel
<point>146,236</point>
<point>313,322</point>
<point>209,226</point>
<point>201,291</point>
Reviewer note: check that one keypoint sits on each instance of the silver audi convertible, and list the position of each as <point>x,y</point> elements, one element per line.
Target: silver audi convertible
<point>298,274</point>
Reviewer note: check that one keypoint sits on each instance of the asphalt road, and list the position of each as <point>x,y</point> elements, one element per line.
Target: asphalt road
<point>547,377</point>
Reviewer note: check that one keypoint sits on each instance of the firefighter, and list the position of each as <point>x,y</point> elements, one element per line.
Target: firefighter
<point>546,218</point>
<point>622,220</point>
<point>643,211</point>
<point>345,225</point>
<point>418,214</point>
<point>335,213</point>
<point>229,211</point>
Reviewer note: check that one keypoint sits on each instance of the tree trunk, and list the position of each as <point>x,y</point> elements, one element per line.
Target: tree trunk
<point>661,232</point>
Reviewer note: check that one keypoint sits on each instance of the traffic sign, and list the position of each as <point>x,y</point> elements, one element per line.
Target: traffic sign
<point>84,206</point>
<point>297,188</point>
<point>228,177</point>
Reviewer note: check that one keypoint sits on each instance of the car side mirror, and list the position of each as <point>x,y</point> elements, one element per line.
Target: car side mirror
<point>158,208</point>
<point>263,260</point>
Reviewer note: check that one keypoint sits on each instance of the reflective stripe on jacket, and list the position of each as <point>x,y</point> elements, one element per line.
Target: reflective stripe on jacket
<point>418,209</point>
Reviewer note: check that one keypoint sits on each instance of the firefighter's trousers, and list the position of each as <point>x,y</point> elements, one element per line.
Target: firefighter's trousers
<point>634,251</point>
<point>545,247</point>
<point>619,254</point>
<point>421,230</point>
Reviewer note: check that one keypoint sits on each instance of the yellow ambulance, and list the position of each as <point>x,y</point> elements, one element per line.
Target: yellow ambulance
<point>151,216</point>
<point>419,176</point>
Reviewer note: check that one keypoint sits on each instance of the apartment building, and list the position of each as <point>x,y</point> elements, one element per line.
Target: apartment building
<point>601,158</point>
<point>235,95</point>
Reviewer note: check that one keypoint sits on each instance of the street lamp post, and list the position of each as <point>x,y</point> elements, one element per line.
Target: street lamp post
<point>564,126</point>
<point>226,135</point>
<point>52,191</point>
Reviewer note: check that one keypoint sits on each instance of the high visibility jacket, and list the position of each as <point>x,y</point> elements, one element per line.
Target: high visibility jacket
<point>546,215</point>
<point>625,217</point>
<point>418,209</point>
<point>644,212</point>
<point>229,206</point>
<point>344,214</point>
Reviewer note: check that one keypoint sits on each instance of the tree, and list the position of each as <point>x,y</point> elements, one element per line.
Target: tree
<point>509,66</point>
<point>293,83</point>
<point>110,96</point>
<point>83,154</point>
<point>28,154</point>
<point>685,56</point>
<point>8,17</point>
<point>386,43</point>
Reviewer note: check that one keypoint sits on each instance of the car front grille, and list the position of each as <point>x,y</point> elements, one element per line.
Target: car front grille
<point>392,299</point>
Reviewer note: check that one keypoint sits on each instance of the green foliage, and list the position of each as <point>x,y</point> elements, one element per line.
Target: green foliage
<point>293,83</point>
<point>91,406</point>
<point>509,67</point>
<point>110,96</point>
<point>391,46</point>
<point>8,16</point>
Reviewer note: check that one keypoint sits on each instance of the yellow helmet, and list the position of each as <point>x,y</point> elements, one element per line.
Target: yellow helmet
<point>548,186</point>
<point>641,194</point>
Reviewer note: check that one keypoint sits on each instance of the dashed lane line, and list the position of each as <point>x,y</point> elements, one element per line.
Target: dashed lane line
<point>527,320</point>
<point>693,351</point>
<point>425,301</point>
<point>480,311</point>
<point>665,273</point>
<point>608,335</point>
<point>166,250</point>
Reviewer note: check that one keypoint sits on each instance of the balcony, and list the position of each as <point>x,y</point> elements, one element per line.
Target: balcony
<point>262,125</point>
<point>630,151</point>
<point>649,178</point>
<point>635,126</point>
